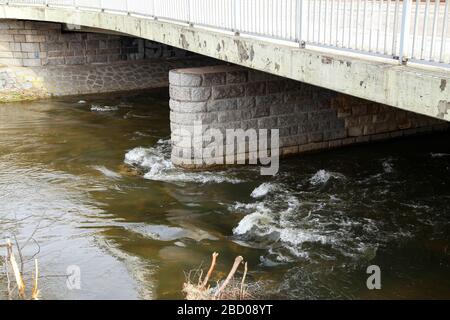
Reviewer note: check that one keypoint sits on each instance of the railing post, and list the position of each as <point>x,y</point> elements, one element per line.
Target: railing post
<point>300,14</point>
<point>404,32</point>
<point>235,12</point>
<point>189,20</point>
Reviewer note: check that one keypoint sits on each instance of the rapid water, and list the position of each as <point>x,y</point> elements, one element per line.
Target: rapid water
<point>68,195</point>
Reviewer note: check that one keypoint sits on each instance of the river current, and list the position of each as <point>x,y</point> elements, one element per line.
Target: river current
<point>69,198</point>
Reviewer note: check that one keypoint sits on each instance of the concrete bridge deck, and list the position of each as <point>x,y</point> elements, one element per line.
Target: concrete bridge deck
<point>421,89</point>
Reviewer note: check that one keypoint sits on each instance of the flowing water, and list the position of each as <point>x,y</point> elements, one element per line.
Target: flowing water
<point>309,232</point>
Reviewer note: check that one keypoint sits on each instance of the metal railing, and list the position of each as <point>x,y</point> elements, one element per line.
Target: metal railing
<point>407,30</point>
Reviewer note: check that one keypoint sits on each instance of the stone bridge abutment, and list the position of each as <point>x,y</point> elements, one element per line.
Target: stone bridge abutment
<point>42,59</point>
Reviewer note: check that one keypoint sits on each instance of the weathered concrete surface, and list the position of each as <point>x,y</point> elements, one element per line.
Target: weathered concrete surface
<point>419,90</point>
<point>308,118</point>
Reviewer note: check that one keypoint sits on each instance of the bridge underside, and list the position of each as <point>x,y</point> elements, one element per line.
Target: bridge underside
<point>338,101</point>
<point>420,90</point>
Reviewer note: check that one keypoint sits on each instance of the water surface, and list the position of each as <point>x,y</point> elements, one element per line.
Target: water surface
<point>309,232</point>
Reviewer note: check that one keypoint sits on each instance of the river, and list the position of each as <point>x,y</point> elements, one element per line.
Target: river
<point>310,232</point>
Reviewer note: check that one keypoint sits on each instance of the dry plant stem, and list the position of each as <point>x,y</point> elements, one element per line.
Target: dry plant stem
<point>17,274</point>
<point>20,254</point>
<point>8,279</point>
<point>236,264</point>
<point>243,281</point>
<point>35,292</point>
<point>210,271</point>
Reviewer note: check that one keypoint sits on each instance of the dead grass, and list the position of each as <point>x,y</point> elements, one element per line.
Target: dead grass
<point>15,283</point>
<point>231,288</point>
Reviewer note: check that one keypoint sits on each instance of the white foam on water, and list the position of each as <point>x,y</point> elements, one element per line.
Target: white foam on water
<point>323,176</point>
<point>81,102</point>
<point>439,155</point>
<point>263,190</point>
<point>297,237</point>
<point>320,177</point>
<point>276,219</point>
<point>291,229</point>
<point>158,166</point>
<point>388,166</point>
<point>98,108</point>
<point>255,219</point>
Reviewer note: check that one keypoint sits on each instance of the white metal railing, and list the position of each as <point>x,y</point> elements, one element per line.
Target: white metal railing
<point>407,30</point>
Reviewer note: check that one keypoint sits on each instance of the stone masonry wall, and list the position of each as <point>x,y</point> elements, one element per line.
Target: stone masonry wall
<point>29,83</point>
<point>40,59</point>
<point>308,117</point>
<point>33,43</point>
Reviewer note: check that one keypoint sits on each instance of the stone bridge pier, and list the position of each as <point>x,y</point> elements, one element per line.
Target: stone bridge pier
<point>309,118</point>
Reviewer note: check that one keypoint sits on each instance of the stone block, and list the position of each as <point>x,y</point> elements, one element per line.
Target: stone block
<point>200,93</point>
<point>214,79</point>
<point>355,131</point>
<point>32,62</point>
<point>92,44</point>
<point>35,38</point>
<point>268,122</point>
<point>275,86</point>
<point>180,93</point>
<point>19,38</point>
<point>4,46</point>
<point>255,89</point>
<point>335,134</point>
<point>286,120</point>
<point>55,61</point>
<point>11,61</point>
<point>75,60</point>
<point>315,137</point>
<point>228,116</point>
<point>187,106</point>
<point>228,91</point>
<point>97,59</point>
<point>239,76</point>
<point>29,47</point>
<point>19,55</point>
<point>222,105</point>
<point>7,54</point>
<point>189,80</point>
<point>288,131</point>
<point>77,46</point>
<point>280,109</point>
<point>274,100</point>
<point>56,46</point>
<point>33,55</point>
<point>6,37</point>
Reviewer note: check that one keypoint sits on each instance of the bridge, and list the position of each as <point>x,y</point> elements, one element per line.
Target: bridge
<point>327,73</point>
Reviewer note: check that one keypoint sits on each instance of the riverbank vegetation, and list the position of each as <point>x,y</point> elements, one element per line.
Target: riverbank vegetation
<point>13,276</point>
<point>231,288</point>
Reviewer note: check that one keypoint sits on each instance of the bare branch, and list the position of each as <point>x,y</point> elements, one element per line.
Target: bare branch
<point>211,269</point>
<point>236,264</point>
